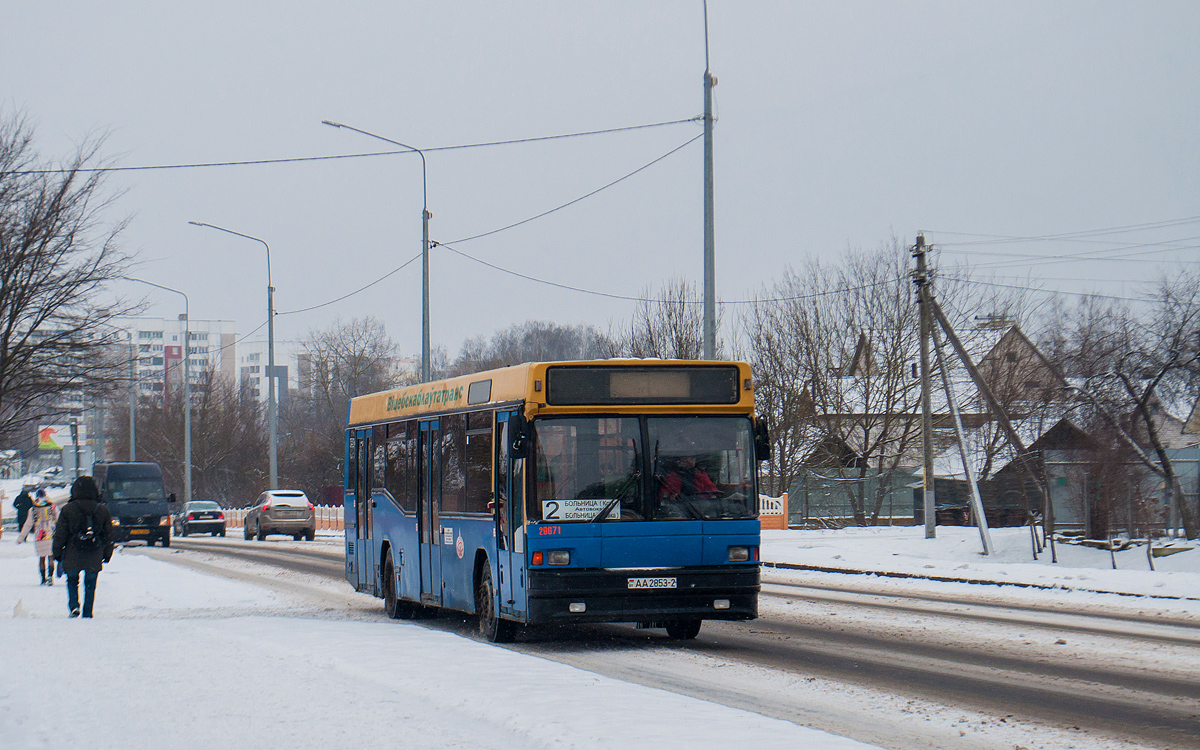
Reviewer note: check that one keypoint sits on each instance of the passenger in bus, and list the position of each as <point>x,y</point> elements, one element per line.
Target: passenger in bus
<point>687,478</point>
<point>683,484</point>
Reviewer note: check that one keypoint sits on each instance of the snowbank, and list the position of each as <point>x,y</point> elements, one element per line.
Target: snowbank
<point>956,554</point>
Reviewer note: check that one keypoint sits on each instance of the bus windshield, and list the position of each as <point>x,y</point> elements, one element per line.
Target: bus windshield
<point>643,468</point>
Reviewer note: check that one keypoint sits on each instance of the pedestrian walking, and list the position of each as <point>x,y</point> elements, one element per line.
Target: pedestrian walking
<point>40,525</point>
<point>83,542</point>
<point>23,503</point>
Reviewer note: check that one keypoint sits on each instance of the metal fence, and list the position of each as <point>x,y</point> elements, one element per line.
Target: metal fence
<point>826,497</point>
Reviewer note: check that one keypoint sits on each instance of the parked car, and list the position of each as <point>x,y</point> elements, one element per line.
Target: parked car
<point>281,512</point>
<point>199,517</point>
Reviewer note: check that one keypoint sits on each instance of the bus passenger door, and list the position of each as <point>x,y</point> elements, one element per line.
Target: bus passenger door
<point>430,493</point>
<point>350,507</point>
<point>362,493</point>
<point>510,514</point>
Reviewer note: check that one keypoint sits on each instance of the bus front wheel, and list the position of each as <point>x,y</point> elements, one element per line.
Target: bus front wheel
<point>491,626</point>
<point>683,630</point>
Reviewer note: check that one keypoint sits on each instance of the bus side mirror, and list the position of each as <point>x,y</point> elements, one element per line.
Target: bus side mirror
<point>762,440</point>
<point>171,498</point>
<point>519,428</point>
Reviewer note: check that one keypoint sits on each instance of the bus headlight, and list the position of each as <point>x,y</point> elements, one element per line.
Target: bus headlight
<point>164,520</point>
<point>739,554</point>
<point>116,521</point>
<point>558,557</point>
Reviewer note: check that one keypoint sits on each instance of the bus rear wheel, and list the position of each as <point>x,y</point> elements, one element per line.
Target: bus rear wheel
<point>683,630</point>
<point>491,626</point>
<point>396,608</point>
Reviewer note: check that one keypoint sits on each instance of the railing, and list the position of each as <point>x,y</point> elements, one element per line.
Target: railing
<point>329,517</point>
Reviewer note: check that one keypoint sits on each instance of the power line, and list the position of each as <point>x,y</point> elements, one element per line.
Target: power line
<point>582,197</point>
<point>631,298</point>
<point>534,279</point>
<point>1044,259</point>
<point>1048,291</point>
<point>1083,233</point>
<point>243,338</point>
<point>296,159</point>
<point>395,270</point>
<point>495,231</point>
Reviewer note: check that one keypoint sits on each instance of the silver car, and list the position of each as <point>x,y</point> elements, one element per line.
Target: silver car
<point>281,512</point>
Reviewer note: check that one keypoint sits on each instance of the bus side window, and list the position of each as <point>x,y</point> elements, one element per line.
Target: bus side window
<point>502,509</point>
<point>518,505</point>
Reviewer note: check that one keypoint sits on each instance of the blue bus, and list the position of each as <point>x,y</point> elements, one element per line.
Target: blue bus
<point>560,492</point>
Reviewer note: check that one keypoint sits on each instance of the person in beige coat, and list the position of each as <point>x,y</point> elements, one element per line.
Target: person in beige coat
<point>40,525</point>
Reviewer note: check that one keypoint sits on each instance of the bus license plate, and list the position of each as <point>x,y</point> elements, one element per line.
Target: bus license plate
<point>652,583</point>
<point>139,531</point>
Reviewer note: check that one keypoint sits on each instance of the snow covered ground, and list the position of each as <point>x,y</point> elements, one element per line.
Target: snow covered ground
<point>1081,573</point>
<point>179,659</point>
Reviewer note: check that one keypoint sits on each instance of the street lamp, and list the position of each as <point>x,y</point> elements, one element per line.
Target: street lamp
<point>132,398</point>
<point>187,390</point>
<point>425,217</point>
<point>274,455</point>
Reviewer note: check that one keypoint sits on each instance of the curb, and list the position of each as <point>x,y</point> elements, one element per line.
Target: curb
<point>977,581</point>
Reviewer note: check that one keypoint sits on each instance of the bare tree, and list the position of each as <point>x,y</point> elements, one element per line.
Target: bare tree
<point>832,351</point>
<point>343,361</point>
<point>531,341</point>
<point>229,445</point>
<point>1128,368</point>
<point>669,325</point>
<point>57,258</point>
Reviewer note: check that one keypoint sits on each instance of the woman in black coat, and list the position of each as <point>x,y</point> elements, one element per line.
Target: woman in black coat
<point>76,555</point>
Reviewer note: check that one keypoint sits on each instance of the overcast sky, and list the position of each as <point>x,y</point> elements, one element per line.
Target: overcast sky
<point>841,124</point>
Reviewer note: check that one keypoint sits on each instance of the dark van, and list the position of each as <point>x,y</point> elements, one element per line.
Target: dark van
<point>137,501</point>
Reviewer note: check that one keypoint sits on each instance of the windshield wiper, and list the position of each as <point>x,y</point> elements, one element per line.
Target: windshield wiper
<point>607,509</point>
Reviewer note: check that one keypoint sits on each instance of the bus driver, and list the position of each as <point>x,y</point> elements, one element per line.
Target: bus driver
<point>684,481</point>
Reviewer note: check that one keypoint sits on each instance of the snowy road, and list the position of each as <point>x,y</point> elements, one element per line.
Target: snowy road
<point>886,664</point>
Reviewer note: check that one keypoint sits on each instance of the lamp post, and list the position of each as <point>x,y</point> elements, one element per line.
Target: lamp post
<point>187,390</point>
<point>425,217</point>
<point>132,398</point>
<point>271,406</point>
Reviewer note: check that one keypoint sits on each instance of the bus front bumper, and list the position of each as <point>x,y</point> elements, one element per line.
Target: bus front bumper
<point>704,593</point>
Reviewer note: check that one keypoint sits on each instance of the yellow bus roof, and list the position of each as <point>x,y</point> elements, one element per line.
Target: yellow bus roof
<point>524,383</point>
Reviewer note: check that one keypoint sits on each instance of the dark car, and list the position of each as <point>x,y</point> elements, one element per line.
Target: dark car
<point>281,512</point>
<point>200,517</point>
<point>136,499</point>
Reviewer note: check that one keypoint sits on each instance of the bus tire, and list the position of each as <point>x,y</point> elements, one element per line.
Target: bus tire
<point>396,608</point>
<point>491,626</point>
<point>683,630</point>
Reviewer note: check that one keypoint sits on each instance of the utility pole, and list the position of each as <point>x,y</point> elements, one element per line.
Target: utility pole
<point>75,441</point>
<point>273,460</point>
<point>426,368</point>
<point>710,282</point>
<point>921,279</point>
<point>132,399</point>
